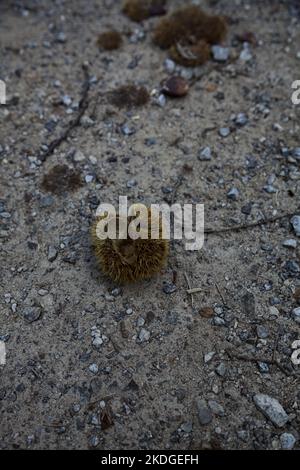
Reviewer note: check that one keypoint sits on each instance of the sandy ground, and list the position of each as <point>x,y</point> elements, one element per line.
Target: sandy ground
<point>165,376</point>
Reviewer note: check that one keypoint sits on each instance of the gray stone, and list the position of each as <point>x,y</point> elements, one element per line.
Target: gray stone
<point>86,122</point>
<point>290,243</point>
<point>61,37</point>
<point>221,369</point>
<point>78,156</point>
<point>93,441</point>
<point>52,253</point>
<point>131,184</point>
<point>220,54</point>
<point>224,131</point>
<point>93,368</point>
<point>296,314</point>
<point>205,415</point>
<point>5,215</point>
<point>263,367</point>
<point>218,321</point>
<point>271,408</point>
<point>287,441</point>
<point>187,427</point>
<point>292,267</point>
<point>89,178</point>
<point>241,119</point>
<point>295,221</point>
<point>161,101</point>
<point>144,335</point>
<point>67,100</point>
<point>208,357</point>
<point>296,153</point>
<point>97,341</point>
<point>31,314</point>
<point>216,408</point>
<point>233,194</point>
<point>126,130</point>
<point>262,332</point>
<point>169,65</point>
<point>270,189</point>
<point>205,154</point>
<point>169,288</point>
<point>246,55</point>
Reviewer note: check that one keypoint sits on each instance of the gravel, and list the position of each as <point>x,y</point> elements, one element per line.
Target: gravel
<point>31,314</point>
<point>144,335</point>
<point>205,154</point>
<point>272,409</point>
<point>233,194</point>
<point>295,221</point>
<point>296,314</point>
<point>205,415</point>
<point>153,349</point>
<point>224,131</point>
<point>220,54</point>
<point>287,441</point>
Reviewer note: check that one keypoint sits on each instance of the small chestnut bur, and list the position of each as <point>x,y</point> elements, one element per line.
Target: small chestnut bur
<point>109,40</point>
<point>124,247</point>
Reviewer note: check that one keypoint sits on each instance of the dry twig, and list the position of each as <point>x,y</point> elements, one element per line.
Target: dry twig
<point>83,104</point>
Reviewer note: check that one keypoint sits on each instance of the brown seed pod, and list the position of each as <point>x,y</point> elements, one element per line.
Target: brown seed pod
<point>176,87</point>
<point>189,23</point>
<point>190,55</point>
<point>128,260</point>
<point>109,40</point>
<point>140,10</point>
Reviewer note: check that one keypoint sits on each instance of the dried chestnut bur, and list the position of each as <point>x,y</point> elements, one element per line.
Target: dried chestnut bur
<point>176,87</point>
<point>128,96</point>
<point>109,40</point>
<point>61,178</point>
<point>125,260</point>
<point>188,34</point>
<point>140,10</point>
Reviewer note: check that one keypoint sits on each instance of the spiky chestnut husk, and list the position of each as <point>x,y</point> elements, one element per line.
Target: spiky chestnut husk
<point>129,96</point>
<point>109,40</point>
<point>140,10</point>
<point>126,261</point>
<point>189,22</point>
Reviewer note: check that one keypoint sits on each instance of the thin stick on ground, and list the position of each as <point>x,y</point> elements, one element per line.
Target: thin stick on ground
<point>83,104</point>
<point>220,294</point>
<point>195,290</point>
<point>258,223</point>
<point>244,357</point>
<point>189,286</point>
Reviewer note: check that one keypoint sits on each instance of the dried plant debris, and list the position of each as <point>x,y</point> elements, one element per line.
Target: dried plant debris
<point>188,34</point>
<point>127,260</point>
<point>109,40</point>
<point>189,54</point>
<point>106,418</point>
<point>176,87</point>
<point>129,96</point>
<point>61,178</point>
<point>140,10</point>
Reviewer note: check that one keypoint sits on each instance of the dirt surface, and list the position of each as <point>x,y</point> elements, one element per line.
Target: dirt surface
<point>93,364</point>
